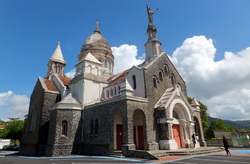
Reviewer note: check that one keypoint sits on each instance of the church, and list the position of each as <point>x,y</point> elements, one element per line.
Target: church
<point>142,108</point>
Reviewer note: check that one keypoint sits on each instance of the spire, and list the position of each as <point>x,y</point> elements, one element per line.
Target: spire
<point>195,104</point>
<point>56,63</point>
<point>57,55</point>
<point>153,46</point>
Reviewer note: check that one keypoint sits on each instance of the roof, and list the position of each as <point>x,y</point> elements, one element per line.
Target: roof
<point>96,38</point>
<point>65,80</point>
<point>118,77</point>
<point>90,57</point>
<point>2,126</point>
<point>57,55</point>
<point>50,85</point>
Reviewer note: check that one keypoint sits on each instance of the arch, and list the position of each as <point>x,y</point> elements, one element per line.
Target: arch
<point>107,93</point>
<point>100,60</point>
<point>117,130</point>
<point>105,64</point>
<point>197,127</point>
<point>173,80</point>
<point>182,120</point>
<point>111,92</point>
<point>166,70</point>
<point>89,69</point>
<point>155,81</point>
<point>181,108</point>
<point>160,75</point>
<point>139,129</point>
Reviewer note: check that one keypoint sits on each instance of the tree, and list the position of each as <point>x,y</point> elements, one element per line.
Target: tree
<point>204,115</point>
<point>218,124</point>
<point>2,122</point>
<point>13,129</point>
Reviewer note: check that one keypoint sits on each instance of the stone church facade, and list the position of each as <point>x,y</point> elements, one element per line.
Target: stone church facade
<point>96,112</point>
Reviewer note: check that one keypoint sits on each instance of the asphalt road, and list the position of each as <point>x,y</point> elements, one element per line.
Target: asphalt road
<point>213,159</point>
<point>238,157</point>
<point>24,160</point>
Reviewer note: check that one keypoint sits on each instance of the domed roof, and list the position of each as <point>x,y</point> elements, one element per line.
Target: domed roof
<point>97,45</point>
<point>96,38</point>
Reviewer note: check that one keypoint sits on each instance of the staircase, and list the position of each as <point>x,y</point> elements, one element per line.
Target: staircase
<point>185,152</point>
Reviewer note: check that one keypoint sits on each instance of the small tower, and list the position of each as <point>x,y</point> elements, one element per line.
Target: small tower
<point>153,46</point>
<point>56,63</point>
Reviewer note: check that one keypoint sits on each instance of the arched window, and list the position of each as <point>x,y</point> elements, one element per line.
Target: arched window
<point>64,128</point>
<point>160,75</point>
<point>96,126</point>
<point>105,64</point>
<point>134,81</point>
<point>166,70</point>
<point>100,60</point>
<point>111,92</point>
<point>173,79</point>
<point>107,93</point>
<point>155,82</point>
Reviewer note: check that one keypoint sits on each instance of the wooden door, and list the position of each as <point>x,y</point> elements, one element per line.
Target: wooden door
<point>119,136</point>
<point>140,138</point>
<point>177,134</point>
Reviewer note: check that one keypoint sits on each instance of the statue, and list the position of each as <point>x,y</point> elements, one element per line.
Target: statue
<point>150,14</point>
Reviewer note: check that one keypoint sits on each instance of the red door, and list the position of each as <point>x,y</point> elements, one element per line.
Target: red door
<point>176,133</point>
<point>140,138</point>
<point>119,136</point>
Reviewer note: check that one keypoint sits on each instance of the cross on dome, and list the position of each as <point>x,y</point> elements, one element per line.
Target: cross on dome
<point>97,23</point>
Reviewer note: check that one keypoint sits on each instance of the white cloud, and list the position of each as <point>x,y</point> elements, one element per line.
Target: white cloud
<point>125,57</point>
<point>12,105</point>
<point>71,73</point>
<point>221,85</point>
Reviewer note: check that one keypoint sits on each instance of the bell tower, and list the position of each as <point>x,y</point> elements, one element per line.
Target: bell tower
<point>56,63</point>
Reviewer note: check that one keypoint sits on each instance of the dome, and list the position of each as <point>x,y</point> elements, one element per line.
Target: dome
<point>96,38</point>
<point>99,47</point>
<point>96,42</point>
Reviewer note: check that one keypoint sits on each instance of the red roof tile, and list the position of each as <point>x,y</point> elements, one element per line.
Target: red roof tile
<point>2,126</point>
<point>65,80</point>
<point>118,77</point>
<point>50,85</point>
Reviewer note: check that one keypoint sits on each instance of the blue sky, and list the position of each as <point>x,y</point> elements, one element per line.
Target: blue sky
<point>30,29</point>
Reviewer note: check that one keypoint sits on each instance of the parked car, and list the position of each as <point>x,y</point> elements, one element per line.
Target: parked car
<point>14,147</point>
<point>11,147</point>
<point>5,147</point>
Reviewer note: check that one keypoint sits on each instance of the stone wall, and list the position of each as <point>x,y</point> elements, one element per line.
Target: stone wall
<point>154,94</point>
<point>100,140</point>
<point>103,141</point>
<point>58,143</point>
<point>36,125</point>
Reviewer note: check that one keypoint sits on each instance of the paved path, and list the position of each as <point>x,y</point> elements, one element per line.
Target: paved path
<point>241,156</point>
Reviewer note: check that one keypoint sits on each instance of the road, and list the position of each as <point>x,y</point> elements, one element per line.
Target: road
<point>239,156</point>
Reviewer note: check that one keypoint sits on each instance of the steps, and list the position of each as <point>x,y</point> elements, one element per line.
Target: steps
<point>185,152</point>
